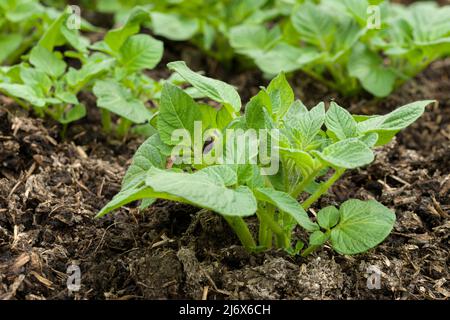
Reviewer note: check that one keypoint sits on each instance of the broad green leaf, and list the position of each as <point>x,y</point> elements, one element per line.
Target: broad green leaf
<point>318,238</point>
<point>287,204</point>
<point>223,175</point>
<point>146,157</point>
<point>307,125</point>
<point>314,24</point>
<point>285,58</point>
<point>35,78</point>
<point>117,37</point>
<point>23,92</point>
<point>46,61</point>
<point>257,112</point>
<point>294,112</point>
<point>141,52</point>
<point>388,125</point>
<point>173,26</point>
<point>209,116</point>
<point>214,89</point>
<point>367,67</point>
<point>9,43</point>
<point>281,95</point>
<point>126,196</point>
<point>203,191</point>
<point>115,98</point>
<point>328,217</point>
<point>89,71</point>
<point>74,113</point>
<point>302,159</point>
<point>53,36</point>
<point>340,122</point>
<point>253,40</point>
<point>177,111</point>
<point>362,226</point>
<point>350,153</point>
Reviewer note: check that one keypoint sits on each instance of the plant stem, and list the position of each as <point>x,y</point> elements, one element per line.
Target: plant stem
<point>240,227</point>
<point>282,239</point>
<point>304,183</point>
<point>106,121</point>
<point>124,126</point>
<point>322,189</point>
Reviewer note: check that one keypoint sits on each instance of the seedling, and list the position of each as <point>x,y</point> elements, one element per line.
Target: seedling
<point>311,149</point>
<point>333,43</point>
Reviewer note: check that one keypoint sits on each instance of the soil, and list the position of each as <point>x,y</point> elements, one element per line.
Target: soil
<point>51,188</point>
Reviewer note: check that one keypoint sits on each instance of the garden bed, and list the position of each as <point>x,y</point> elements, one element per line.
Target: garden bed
<point>51,188</point>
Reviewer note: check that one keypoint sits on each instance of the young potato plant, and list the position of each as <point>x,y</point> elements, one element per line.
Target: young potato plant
<point>113,68</point>
<point>206,23</point>
<point>193,158</point>
<point>40,81</point>
<point>333,42</point>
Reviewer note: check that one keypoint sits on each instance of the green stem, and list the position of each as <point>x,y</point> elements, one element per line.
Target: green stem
<point>124,126</point>
<point>240,227</point>
<point>282,239</point>
<point>323,188</point>
<point>106,121</point>
<point>304,183</point>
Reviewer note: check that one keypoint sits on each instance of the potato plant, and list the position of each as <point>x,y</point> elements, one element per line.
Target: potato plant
<point>113,69</point>
<point>187,160</point>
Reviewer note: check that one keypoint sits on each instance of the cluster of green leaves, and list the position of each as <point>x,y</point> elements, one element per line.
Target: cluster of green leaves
<point>331,41</point>
<point>207,23</point>
<point>316,146</point>
<point>113,69</point>
<point>22,22</point>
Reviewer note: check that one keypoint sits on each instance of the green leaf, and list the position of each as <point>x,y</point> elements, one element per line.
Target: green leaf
<point>388,125</point>
<point>307,125</point>
<point>117,37</point>
<point>44,60</point>
<point>115,98</point>
<point>23,92</point>
<point>294,112</point>
<point>257,112</point>
<point>74,113</point>
<point>173,26</point>
<point>368,68</point>
<point>96,65</point>
<point>53,36</point>
<point>253,40</point>
<point>35,78</point>
<point>9,43</point>
<point>314,24</point>
<point>146,157</point>
<point>350,153</point>
<point>328,217</point>
<point>286,204</point>
<point>214,89</point>
<point>281,95</point>
<point>285,58</point>
<point>340,122</point>
<point>222,174</point>
<point>203,191</point>
<point>362,226</point>
<point>177,111</point>
<point>126,196</point>
<point>318,238</point>
<point>141,52</point>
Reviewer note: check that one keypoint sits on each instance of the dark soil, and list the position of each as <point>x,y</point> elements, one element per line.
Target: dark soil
<point>51,188</point>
